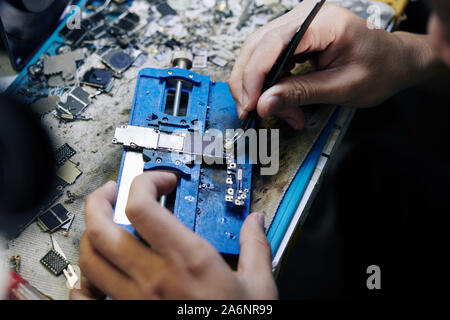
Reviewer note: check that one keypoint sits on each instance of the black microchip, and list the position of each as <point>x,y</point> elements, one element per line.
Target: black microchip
<point>99,31</point>
<point>97,77</point>
<point>132,17</point>
<point>96,19</point>
<point>49,220</point>
<point>120,60</point>
<point>64,153</point>
<point>165,9</point>
<point>74,36</point>
<point>54,218</point>
<point>81,95</point>
<point>72,105</point>
<point>114,31</point>
<point>55,262</point>
<point>60,212</point>
<point>126,25</point>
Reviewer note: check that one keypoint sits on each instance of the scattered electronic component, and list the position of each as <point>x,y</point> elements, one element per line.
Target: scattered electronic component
<point>200,58</point>
<point>64,64</point>
<point>64,153</point>
<point>117,60</point>
<point>219,61</point>
<point>14,262</point>
<point>76,102</point>
<point>127,22</point>
<point>73,36</point>
<point>54,218</point>
<point>93,21</point>
<point>68,172</point>
<point>165,9</point>
<point>99,78</point>
<point>54,262</point>
<point>66,226</point>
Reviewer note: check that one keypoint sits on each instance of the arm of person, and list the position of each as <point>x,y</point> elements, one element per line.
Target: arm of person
<point>356,65</point>
<point>178,264</point>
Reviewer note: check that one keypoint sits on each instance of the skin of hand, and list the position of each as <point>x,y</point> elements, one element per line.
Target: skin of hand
<point>439,29</point>
<point>178,265</point>
<point>357,66</point>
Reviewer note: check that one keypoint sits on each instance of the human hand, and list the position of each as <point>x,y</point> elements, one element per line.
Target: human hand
<point>356,65</point>
<point>178,265</point>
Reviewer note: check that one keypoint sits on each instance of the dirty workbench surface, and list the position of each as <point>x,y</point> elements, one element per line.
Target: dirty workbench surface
<point>99,159</point>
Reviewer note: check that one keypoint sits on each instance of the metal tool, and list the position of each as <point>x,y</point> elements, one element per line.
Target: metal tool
<point>280,67</point>
<point>181,60</point>
<point>69,271</point>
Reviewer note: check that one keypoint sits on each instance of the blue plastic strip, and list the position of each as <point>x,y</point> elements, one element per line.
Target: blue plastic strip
<point>298,185</point>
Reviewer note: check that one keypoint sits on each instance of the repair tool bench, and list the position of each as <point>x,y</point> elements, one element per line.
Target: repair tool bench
<point>172,107</point>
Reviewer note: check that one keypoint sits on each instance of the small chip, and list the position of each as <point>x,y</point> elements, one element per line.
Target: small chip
<point>239,175</point>
<point>66,226</point>
<point>99,78</point>
<point>54,262</point>
<point>165,9</point>
<point>64,153</point>
<point>73,36</point>
<point>219,61</point>
<point>77,101</point>
<point>54,218</point>
<point>117,60</point>
<point>69,172</point>
<point>229,198</point>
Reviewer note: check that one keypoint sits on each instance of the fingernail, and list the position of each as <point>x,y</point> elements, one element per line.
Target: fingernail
<point>110,185</point>
<point>242,114</point>
<point>244,101</point>
<point>274,103</point>
<point>261,219</point>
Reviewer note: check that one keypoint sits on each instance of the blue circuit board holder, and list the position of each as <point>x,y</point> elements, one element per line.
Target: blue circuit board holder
<point>200,195</point>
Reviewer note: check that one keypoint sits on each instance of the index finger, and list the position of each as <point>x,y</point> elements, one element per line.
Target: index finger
<point>275,39</point>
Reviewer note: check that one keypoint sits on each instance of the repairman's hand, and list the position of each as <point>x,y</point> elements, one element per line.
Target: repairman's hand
<point>356,66</point>
<point>179,264</point>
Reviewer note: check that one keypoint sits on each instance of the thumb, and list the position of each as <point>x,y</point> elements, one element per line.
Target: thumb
<point>255,260</point>
<point>321,87</point>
